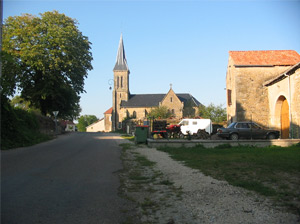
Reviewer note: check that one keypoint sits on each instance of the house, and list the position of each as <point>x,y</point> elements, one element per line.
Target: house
<point>138,106</point>
<point>68,125</point>
<point>97,126</point>
<point>263,86</point>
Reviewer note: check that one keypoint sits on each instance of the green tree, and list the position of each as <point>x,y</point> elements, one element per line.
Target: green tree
<point>47,59</point>
<point>160,112</point>
<point>215,113</point>
<point>84,121</point>
<point>19,102</point>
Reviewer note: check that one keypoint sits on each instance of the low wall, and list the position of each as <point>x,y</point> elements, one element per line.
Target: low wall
<point>156,143</point>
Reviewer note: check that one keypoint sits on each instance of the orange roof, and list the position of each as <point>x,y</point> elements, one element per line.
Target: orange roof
<point>109,111</point>
<point>276,57</point>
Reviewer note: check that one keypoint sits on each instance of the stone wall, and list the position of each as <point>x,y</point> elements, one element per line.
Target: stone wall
<point>172,102</point>
<point>108,122</point>
<point>249,96</point>
<point>140,113</point>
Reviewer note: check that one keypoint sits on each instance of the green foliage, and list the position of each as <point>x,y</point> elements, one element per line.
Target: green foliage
<point>19,102</point>
<point>47,59</point>
<point>159,112</point>
<point>84,121</point>
<point>215,113</point>
<point>18,127</point>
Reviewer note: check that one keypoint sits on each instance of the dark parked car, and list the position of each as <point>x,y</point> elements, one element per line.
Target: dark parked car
<point>248,130</point>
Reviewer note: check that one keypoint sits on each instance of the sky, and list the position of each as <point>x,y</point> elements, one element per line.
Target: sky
<point>183,43</point>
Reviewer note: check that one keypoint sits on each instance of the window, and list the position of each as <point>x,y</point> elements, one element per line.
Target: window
<point>255,126</point>
<point>173,111</point>
<point>194,122</point>
<point>122,82</point>
<point>232,125</point>
<point>184,123</point>
<point>242,125</point>
<point>134,114</point>
<point>118,82</point>
<point>171,99</point>
<point>229,97</point>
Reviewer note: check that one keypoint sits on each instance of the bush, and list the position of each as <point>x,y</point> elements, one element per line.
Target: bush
<point>18,127</point>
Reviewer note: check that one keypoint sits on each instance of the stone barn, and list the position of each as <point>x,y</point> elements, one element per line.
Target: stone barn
<point>264,86</point>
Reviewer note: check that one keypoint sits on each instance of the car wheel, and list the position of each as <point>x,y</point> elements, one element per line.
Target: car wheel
<point>271,136</point>
<point>234,136</point>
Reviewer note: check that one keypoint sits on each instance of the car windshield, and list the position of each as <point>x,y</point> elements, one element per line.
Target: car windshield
<point>255,126</point>
<point>231,125</point>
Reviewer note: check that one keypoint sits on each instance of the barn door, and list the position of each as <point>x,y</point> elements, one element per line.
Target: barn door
<point>285,119</point>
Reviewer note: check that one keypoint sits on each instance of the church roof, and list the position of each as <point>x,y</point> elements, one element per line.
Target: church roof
<point>265,58</point>
<point>121,63</point>
<point>153,100</point>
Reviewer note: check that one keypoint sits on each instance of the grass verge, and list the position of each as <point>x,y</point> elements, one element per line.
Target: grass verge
<point>271,171</point>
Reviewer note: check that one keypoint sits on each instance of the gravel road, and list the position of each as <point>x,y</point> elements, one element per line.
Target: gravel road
<point>202,199</point>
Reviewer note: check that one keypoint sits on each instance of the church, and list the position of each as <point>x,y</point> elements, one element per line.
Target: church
<point>138,106</point>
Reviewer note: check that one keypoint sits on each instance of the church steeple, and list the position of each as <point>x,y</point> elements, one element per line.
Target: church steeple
<point>121,84</point>
<point>121,63</point>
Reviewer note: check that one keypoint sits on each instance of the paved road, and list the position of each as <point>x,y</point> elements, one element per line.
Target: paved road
<point>71,179</point>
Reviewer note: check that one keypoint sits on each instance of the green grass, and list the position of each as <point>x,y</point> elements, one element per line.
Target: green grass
<point>126,146</point>
<point>143,161</point>
<point>271,171</point>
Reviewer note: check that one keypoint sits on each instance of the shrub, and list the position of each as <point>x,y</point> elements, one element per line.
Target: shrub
<point>18,127</point>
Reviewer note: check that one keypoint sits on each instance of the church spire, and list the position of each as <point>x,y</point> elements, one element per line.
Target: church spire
<point>121,63</point>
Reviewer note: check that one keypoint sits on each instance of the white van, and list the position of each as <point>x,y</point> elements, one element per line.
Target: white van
<point>193,125</point>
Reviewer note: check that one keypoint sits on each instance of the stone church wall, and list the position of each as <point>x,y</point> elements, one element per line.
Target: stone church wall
<point>172,102</point>
<point>140,113</point>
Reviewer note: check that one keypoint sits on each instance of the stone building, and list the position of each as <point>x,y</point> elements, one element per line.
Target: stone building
<point>263,86</point>
<point>138,106</point>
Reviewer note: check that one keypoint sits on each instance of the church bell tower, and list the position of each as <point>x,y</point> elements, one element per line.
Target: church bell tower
<point>121,84</point>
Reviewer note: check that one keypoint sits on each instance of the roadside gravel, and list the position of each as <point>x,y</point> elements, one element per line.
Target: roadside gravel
<point>192,197</point>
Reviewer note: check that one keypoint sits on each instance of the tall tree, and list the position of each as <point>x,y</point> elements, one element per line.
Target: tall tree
<point>47,58</point>
<point>215,113</point>
<point>86,120</point>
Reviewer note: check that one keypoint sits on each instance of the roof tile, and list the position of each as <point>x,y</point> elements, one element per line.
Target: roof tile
<point>272,57</point>
<point>109,111</point>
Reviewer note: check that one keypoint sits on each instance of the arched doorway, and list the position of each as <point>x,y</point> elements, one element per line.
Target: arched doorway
<point>283,115</point>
